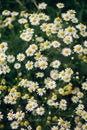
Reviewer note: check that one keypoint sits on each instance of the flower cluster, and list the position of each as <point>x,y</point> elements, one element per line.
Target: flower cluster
<point>42,71</point>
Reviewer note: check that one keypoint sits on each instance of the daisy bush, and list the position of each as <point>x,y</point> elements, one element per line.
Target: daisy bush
<point>43,62</point>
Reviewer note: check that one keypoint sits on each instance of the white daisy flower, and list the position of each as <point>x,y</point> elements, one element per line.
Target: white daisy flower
<point>78,48</point>
<point>55,44</point>
<point>29,65</point>
<point>20,57</point>
<point>19,115</point>
<point>1,116</point>
<point>17,65</point>
<point>40,111</point>
<point>14,125</point>
<point>41,91</point>
<point>66,51</point>
<point>60,5</point>
<point>10,58</point>
<point>42,5</point>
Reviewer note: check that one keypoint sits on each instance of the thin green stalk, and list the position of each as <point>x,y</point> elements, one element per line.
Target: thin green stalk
<point>21,4</point>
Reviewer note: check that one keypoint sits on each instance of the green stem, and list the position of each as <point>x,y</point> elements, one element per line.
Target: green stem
<point>35,3</point>
<point>21,4</point>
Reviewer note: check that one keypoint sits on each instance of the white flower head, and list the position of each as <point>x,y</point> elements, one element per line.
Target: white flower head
<point>66,51</point>
<point>17,65</point>
<point>20,57</point>
<point>42,5</point>
<point>1,116</point>
<point>78,48</point>
<point>60,5</point>
<point>14,125</point>
<point>40,111</point>
<point>29,65</point>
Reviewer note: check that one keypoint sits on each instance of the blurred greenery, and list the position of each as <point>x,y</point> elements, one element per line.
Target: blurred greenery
<point>79,5</point>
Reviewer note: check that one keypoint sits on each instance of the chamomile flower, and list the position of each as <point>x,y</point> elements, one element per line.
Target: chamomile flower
<point>33,47</point>
<point>40,111</point>
<point>62,74</point>
<point>54,128</point>
<point>60,5</point>
<point>14,13</point>
<point>85,50</point>
<point>19,115</point>
<point>31,89</point>
<point>6,13</point>
<point>10,58</point>
<point>80,95</point>
<point>55,64</point>
<point>31,106</point>
<point>29,65</point>
<point>41,91</point>
<point>20,57</point>
<point>42,6</point>
<point>71,12</point>
<point>39,39</point>
<point>81,27</point>
<point>66,51</point>
<point>6,69</point>
<point>61,33</point>
<point>78,48</point>
<point>47,80</point>
<point>57,20</point>
<point>50,102</point>
<point>69,71</point>
<point>70,30</point>
<point>3,46</point>
<point>61,91</point>
<point>66,16</point>
<point>55,44</point>
<point>39,75</point>
<point>29,52</point>
<point>25,36</point>
<point>84,127</point>
<point>47,44</point>
<point>74,20</point>
<point>1,116</point>
<point>14,125</point>
<point>38,56</point>
<point>17,65</point>
<point>22,21</point>
<point>39,127</point>
<point>80,107</point>
<point>2,57</point>
<point>46,18</point>
<point>85,43</point>
<point>67,78</point>
<point>60,121</point>
<point>63,104</point>
<point>34,21</point>
<point>44,27</point>
<point>7,21</point>
<point>51,85</point>
<point>54,74</point>
<point>10,116</point>
<point>29,127</point>
<point>68,40</point>
<point>83,33</point>
<point>84,85</point>
<point>75,99</point>
<point>40,16</point>
<point>43,65</point>
<point>29,31</point>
